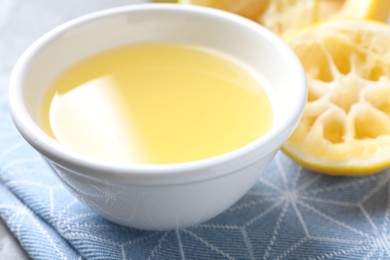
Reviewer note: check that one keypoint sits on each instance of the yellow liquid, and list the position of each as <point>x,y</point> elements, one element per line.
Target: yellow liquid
<point>156,104</point>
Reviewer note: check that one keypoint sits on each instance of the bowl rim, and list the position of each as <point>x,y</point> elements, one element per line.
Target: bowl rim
<point>194,170</point>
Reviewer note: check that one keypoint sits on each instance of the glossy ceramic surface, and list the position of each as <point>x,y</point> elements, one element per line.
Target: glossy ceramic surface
<point>159,197</point>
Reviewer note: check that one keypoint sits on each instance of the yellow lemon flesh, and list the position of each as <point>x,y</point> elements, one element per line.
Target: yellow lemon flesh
<point>286,16</point>
<point>360,9</point>
<point>345,129</point>
<point>280,16</point>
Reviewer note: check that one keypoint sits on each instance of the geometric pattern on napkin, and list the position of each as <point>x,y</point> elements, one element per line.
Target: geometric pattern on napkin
<point>291,213</point>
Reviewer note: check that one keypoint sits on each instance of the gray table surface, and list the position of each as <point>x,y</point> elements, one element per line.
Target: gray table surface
<point>22,22</point>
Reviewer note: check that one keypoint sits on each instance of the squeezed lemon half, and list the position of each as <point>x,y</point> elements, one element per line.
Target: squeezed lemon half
<point>360,9</point>
<point>345,129</point>
<point>280,16</point>
<point>286,16</point>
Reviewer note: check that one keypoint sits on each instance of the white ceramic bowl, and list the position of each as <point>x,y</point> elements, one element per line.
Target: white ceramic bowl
<point>158,197</point>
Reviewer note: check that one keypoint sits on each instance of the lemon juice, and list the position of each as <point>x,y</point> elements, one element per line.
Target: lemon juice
<point>156,103</point>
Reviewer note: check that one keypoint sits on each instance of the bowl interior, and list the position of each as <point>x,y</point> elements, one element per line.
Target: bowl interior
<point>79,39</point>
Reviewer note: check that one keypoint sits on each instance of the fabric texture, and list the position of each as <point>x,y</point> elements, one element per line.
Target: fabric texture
<point>291,213</point>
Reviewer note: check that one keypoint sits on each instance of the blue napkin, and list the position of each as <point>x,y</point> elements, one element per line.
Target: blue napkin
<point>291,213</point>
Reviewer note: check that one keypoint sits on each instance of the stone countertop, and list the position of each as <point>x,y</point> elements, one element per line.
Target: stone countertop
<point>22,22</point>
